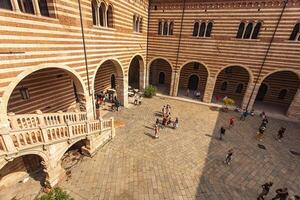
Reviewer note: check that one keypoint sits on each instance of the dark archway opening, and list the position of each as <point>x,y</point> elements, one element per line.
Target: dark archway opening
<point>136,73</point>
<point>22,172</point>
<point>192,80</point>
<point>228,84</point>
<point>160,75</point>
<point>48,90</point>
<point>276,93</point>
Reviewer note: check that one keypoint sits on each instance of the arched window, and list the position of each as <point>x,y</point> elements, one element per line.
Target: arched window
<point>171,27</point>
<point>241,30</point>
<point>209,29</point>
<point>224,86</point>
<point>239,88</point>
<point>159,28</point>
<point>6,4</point>
<point>26,6</point>
<point>256,30</point>
<point>165,28</point>
<point>202,29</point>
<point>295,32</point>
<point>43,7</point>
<point>102,14</point>
<point>282,94</point>
<point>196,29</point>
<point>137,21</point>
<point>109,15</point>
<point>113,81</point>
<point>94,8</point>
<point>248,31</point>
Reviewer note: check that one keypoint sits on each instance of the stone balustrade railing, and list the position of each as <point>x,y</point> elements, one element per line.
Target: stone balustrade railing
<point>33,130</point>
<point>25,121</point>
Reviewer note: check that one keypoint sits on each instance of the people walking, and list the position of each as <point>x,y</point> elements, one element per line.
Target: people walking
<point>281,194</point>
<point>228,157</point>
<point>266,188</point>
<point>222,132</point>
<point>163,110</point>
<point>244,115</point>
<point>280,133</point>
<point>264,122</point>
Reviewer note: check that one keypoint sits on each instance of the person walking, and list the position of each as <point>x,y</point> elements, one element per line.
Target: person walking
<point>222,132</point>
<point>163,110</point>
<point>229,156</point>
<point>281,194</point>
<point>244,115</point>
<point>156,129</point>
<point>264,122</point>
<point>157,122</point>
<point>260,133</point>
<point>280,133</point>
<point>231,122</point>
<point>266,188</point>
<point>175,124</point>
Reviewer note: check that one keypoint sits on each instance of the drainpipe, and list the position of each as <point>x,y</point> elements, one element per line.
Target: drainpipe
<point>179,43</point>
<point>267,52</point>
<point>85,56</point>
<point>147,48</point>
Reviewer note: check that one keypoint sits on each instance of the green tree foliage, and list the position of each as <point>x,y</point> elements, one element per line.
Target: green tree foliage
<point>56,194</point>
<point>150,91</point>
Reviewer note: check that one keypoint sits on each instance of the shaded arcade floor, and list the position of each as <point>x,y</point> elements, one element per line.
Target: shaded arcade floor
<point>186,163</point>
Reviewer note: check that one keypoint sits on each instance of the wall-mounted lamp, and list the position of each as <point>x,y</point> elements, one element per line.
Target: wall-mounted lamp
<point>24,93</point>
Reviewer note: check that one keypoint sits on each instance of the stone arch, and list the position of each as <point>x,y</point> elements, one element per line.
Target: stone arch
<point>157,65</point>
<point>78,81</point>
<point>189,68</point>
<point>70,145</point>
<point>102,75</point>
<point>138,65</point>
<point>233,75</point>
<point>276,81</point>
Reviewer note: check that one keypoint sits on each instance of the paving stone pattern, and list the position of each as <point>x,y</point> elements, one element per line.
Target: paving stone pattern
<point>187,163</point>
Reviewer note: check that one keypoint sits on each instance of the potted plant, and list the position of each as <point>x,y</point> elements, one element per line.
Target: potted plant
<point>150,91</point>
<point>227,102</point>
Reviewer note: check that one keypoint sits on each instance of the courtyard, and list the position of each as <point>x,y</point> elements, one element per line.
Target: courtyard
<point>187,163</point>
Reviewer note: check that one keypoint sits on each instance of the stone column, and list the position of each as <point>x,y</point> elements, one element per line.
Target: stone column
<point>54,171</point>
<point>294,109</point>
<point>142,75</point>
<point>122,90</point>
<point>90,106</point>
<point>36,7</point>
<point>247,96</point>
<point>8,142</point>
<point>209,89</point>
<point>15,6</point>
<point>176,82</point>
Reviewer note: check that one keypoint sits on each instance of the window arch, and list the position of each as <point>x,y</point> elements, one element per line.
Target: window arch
<point>171,27</point>
<point>239,88</point>
<point>43,6</point>
<point>256,30</point>
<point>248,31</point>
<point>202,29</point>
<point>208,29</point>
<point>165,30</point>
<point>102,12</point>
<point>196,29</point>
<point>94,12</point>
<point>109,15</point>
<point>159,31</point>
<point>224,86</point>
<point>295,32</point>
<point>26,6</point>
<point>6,4</point>
<point>141,25</point>
<point>282,94</point>
<point>241,30</point>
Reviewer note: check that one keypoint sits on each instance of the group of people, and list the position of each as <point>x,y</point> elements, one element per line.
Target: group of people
<point>196,93</point>
<point>281,193</point>
<point>137,99</point>
<point>167,121</point>
<point>102,97</point>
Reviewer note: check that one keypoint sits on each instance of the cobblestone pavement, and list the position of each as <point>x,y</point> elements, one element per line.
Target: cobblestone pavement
<point>187,163</point>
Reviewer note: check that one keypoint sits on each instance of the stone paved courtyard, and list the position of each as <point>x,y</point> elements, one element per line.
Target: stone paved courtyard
<point>187,163</point>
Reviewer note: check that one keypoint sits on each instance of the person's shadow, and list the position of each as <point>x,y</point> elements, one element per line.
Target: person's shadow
<point>150,135</point>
